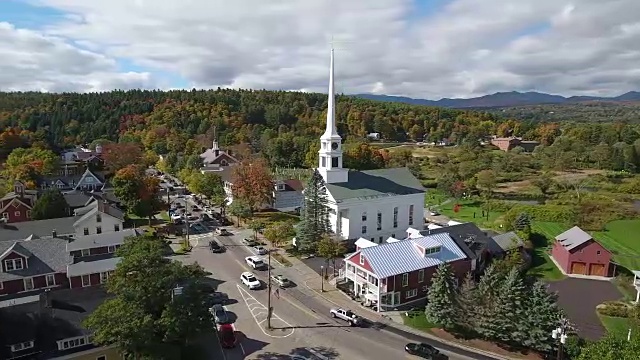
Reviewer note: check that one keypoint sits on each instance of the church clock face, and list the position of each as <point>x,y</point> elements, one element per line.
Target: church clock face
<point>334,146</point>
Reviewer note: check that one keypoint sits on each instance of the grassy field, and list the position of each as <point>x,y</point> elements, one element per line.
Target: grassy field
<point>615,325</point>
<point>620,237</point>
<point>269,217</point>
<point>542,239</point>
<point>418,322</point>
<point>470,211</point>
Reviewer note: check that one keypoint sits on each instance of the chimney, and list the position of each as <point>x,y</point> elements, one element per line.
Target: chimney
<point>45,301</point>
<point>54,233</point>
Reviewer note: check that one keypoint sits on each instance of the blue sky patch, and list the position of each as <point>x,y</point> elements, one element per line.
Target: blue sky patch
<point>22,14</point>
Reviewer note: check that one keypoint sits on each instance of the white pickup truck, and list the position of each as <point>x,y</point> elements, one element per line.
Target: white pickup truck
<point>346,315</point>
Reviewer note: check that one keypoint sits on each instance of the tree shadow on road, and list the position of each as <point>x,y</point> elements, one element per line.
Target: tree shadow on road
<point>249,346</point>
<point>302,354</point>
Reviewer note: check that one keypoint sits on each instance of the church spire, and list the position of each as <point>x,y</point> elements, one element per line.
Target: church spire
<point>331,130</point>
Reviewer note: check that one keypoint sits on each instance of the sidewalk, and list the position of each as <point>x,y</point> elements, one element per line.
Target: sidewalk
<point>391,319</point>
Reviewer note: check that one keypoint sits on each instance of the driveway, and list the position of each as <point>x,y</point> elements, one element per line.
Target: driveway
<point>579,298</point>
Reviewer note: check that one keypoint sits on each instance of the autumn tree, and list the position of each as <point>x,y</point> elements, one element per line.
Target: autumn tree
<point>117,156</point>
<point>10,139</point>
<point>279,232</point>
<point>212,186</point>
<point>137,191</point>
<point>253,184</point>
<point>28,164</point>
<point>361,156</point>
<point>257,226</point>
<point>331,248</point>
<point>240,210</point>
<point>51,204</point>
<point>487,181</point>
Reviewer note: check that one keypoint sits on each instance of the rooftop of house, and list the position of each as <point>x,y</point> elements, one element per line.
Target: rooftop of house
<point>225,172</point>
<point>405,256</point>
<point>100,240</point>
<point>475,240</point>
<point>93,265</point>
<point>44,256</point>
<point>291,184</point>
<point>77,199</point>
<point>508,241</point>
<point>37,228</point>
<point>376,183</point>
<point>573,238</point>
<point>99,206</point>
<point>48,318</point>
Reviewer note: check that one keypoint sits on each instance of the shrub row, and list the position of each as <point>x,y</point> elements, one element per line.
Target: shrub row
<point>615,309</point>
<point>549,213</point>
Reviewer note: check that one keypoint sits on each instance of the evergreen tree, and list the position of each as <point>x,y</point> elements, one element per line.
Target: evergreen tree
<point>487,293</point>
<point>468,301</point>
<point>442,303</point>
<point>50,205</point>
<point>523,222</point>
<point>541,317</point>
<point>508,325</point>
<point>315,214</point>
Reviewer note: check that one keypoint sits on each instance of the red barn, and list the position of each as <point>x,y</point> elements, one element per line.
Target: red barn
<point>578,253</point>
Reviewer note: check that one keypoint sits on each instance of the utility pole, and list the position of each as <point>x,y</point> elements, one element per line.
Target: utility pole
<point>269,309</point>
<point>560,334</point>
<point>186,220</point>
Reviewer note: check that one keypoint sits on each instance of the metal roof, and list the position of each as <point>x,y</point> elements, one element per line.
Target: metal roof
<point>573,238</point>
<point>100,240</point>
<point>402,257</point>
<point>376,183</point>
<point>92,267</point>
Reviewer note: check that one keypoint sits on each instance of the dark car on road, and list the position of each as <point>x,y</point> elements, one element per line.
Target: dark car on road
<point>227,336</point>
<point>217,298</point>
<point>422,350</point>
<point>215,247</point>
<point>220,315</point>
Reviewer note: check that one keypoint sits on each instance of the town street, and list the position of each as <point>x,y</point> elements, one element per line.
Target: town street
<point>302,324</point>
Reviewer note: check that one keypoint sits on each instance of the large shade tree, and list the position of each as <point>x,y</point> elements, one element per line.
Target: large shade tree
<point>139,192</point>
<point>145,317</point>
<point>51,204</point>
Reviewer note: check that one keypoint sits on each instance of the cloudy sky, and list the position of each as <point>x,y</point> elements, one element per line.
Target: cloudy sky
<point>418,48</point>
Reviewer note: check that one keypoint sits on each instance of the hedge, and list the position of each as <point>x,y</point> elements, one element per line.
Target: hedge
<point>614,309</point>
<point>548,213</point>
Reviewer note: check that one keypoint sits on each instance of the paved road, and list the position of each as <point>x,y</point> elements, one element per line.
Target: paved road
<point>301,321</point>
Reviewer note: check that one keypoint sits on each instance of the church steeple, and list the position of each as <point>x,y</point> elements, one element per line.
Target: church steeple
<point>330,153</point>
<point>214,145</point>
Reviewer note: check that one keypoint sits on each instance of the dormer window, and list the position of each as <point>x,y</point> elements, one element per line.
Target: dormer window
<point>13,264</point>
<point>432,250</point>
<point>280,187</point>
<point>22,346</point>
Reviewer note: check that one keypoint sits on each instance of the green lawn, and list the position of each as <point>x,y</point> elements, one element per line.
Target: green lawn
<point>470,211</point>
<point>615,325</point>
<point>542,239</point>
<point>620,237</point>
<point>434,197</point>
<point>165,216</point>
<point>269,217</point>
<point>418,322</point>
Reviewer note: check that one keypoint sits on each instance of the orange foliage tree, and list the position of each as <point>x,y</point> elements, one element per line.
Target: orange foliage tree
<point>137,191</point>
<point>253,183</point>
<point>117,156</point>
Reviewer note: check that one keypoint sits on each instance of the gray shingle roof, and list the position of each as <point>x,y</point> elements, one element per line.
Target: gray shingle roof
<point>37,228</point>
<point>573,238</point>
<point>100,240</point>
<point>376,183</point>
<point>92,267</point>
<point>402,256</point>
<point>76,198</point>
<point>47,256</point>
<point>508,241</point>
<point>469,237</point>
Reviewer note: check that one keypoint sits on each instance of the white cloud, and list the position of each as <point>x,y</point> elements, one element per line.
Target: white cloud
<point>466,48</point>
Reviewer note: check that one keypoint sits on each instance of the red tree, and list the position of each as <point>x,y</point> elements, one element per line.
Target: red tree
<point>117,156</point>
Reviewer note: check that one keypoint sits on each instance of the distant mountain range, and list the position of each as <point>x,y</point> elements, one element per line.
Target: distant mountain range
<point>503,99</point>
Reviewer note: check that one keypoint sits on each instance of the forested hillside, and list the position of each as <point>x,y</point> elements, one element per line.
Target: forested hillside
<point>596,111</point>
<point>283,126</point>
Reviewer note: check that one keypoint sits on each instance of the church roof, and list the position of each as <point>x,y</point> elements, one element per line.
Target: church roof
<point>376,183</point>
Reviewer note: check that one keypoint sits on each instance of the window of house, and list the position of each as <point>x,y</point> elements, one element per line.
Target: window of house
<point>395,217</point>
<point>85,252</point>
<point>5,215</point>
<point>86,231</point>
<point>411,293</point>
<point>379,221</point>
<point>116,227</point>
<point>364,229</point>
<point>410,214</point>
<point>111,249</point>
<point>405,279</point>
<point>98,218</point>
<point>72,343</point>
<point>16,213</point>
<point>393,236</point>
<point>98,229</point>
<point>380,239</point>
<point>28,284</point>
<point>22,346</point>
<point>89,179</point>
<point>373,239</point>
<point>598,252</point>
<point>323,162</point>
<point>51,280</point>
<point>86,280</point>
<point>104,277</point>
<point>361,259</point>
<point>13,264</point>
<point>334,162</point>
<point>29,214</point>
<point>421,275</point>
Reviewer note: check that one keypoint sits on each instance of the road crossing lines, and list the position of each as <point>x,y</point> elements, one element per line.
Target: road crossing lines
<point>259,312</point>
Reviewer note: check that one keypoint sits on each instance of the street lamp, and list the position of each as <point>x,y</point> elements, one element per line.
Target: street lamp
<point>322,278</point>
<point>560,334</point>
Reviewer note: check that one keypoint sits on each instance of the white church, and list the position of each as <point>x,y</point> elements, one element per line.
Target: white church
<point>373,204</point>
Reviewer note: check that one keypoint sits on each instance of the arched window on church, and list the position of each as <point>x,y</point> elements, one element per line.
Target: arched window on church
<point>364,216</point>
